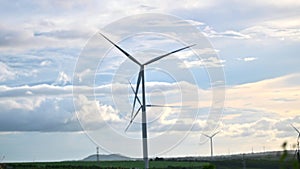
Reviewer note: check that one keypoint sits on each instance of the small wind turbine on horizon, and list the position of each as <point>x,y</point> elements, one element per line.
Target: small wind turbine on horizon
<point>143,105</point>
<point>2,158</point>
<point>97,153</point>
<point>211,141</point>
<point>297,151</point>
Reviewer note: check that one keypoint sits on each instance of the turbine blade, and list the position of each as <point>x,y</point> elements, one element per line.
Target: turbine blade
<point>155,105</point>
<point>128,125</point>
<point>132,119</point>
<point>162,56</point>
<point>205,135</point>
<point>295,129</point>
<point>215,133</point>
<point>138,99</point>
<point>123,51</point>
<point>136,90</point>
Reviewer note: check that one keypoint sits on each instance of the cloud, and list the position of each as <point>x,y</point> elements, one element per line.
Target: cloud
<point>36,90</point>
<point>63,79</point>
<point>11,36</point>
<point>279,29</point>
<point>46,63</point>
<point>38,114</point>
<point>64,34</point>
<point>247,59</point>
<point>261,95</point>
<point>195,23</point>
<point>94,115</point>
<point>29,103</point>
<point>250,108</point>
<point>207,63</point>
<point>211,33</point>
<point>6,73</point>
<point>206,57</point>
<point>279,4</point>
<point>253,110</point>
<point>267,31</point>
<point>256,123</point>
<point>39,34</point>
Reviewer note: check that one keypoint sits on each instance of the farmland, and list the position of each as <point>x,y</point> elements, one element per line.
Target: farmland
<point>109,165</point>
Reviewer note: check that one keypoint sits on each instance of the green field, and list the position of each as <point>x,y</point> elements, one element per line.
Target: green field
<point>110,164</point>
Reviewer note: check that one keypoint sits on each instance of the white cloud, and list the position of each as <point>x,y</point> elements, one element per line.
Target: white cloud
<point>248,59</point>
<point>206,57</point>
<point>267,96</point>
<point>266,31</point>
<point>37,90</point>
<point>6,73</point>
<point>279,4</point>
<point>46,63</point>
<point>28,101</point>
<point>195,23</point>
<point>63,79</point>
<point>211,33</point>
<point>93,115</point>
<point>262,95</point>
<point>287,22</point>
<point>207,63</point>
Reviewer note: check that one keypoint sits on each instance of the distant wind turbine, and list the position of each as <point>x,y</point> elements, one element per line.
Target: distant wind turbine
<point>297,151</point>
<point>143,105</point>
<point>97,151</point>
<point>211,142</point>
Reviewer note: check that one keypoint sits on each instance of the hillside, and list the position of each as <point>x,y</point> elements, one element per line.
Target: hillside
<point>109,157</point>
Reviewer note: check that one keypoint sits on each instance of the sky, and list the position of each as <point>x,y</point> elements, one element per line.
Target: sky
<point>48,113</point>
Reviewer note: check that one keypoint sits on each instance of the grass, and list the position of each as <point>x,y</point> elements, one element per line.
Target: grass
<point>109,164</point>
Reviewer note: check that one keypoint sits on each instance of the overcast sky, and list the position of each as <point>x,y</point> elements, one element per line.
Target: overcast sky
<point>257,44</point>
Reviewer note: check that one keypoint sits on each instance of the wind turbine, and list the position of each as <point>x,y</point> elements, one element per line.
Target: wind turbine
<point>141,78</point>
<point>3,157</point>
<point>211,142</point>
<point>97,151</point>
<point>297,151</point>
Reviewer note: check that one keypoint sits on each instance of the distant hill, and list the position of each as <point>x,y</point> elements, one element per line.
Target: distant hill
<point>109,157</point>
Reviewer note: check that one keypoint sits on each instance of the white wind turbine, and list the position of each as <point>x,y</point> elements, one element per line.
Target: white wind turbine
<point>297,151</point>
<point>211,142</point>
<point>143,105</point>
